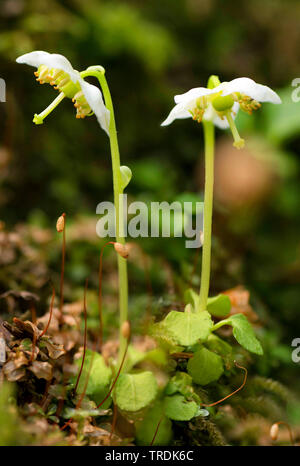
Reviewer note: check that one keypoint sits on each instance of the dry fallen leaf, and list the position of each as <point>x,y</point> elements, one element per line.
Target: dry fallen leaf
<point>42,370</point>
<point>12,373</point>
<point>55,350</point>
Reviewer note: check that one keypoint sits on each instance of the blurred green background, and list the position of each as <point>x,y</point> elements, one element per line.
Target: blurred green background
<point>151,51</point>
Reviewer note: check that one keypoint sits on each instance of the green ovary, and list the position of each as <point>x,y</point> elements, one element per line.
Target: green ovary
<point>221,104</point>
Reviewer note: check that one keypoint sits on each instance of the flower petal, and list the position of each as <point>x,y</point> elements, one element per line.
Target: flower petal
<point>249,87</point>
<point>51,60</point>
<point>193,94</point>
<point>180,111</point>
<point>94,99</point>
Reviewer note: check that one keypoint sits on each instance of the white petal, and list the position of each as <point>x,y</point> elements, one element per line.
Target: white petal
<point>52,60</point>
<point>249,87</point>
<point>193,94</point>
<point>180,111</point>
<point>94,99</point>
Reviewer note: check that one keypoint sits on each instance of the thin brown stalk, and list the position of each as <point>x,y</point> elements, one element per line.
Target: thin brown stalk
<point>83,392</point>
<point>62,275</point>
<point>181,355</point>
<point>61,402</point>
<point>50,313</point>
<point>116,378</point>
<point>114,421</point>
<point>100,295</point>
<point>85,337</point>
<point>233,393</point>
<point>156,430</point>
<point>34,338</point>
<point>292,440</point>
<point>45,396</point>
<point>86,382</point>
<point>33,313</point>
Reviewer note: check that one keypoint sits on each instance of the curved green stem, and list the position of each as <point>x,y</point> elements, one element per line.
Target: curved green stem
<point>98,72</point>
<point>209,140</point>
<point>220,324</point>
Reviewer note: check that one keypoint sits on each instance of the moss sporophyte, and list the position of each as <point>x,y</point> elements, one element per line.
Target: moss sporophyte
<point>56,70</point>
<point>217,105</point>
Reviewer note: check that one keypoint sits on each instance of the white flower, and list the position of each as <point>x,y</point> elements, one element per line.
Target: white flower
<point>58,71</point>
<point>221,104</point>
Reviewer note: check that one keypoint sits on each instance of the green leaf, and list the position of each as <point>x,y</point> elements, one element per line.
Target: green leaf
<point>145,429</point>
<point>99,378</point>
<point>157,356</point>
<point>243,333</point>
<point>182,383</point>
<point>134,357</point>
<point>205,367</point>
<point>217,345</point>
<point>187,328</point>
<point>219,306</point>
<point>222,348</point>
<point>135,391</point>
<point>179,409</point>
<point>179,383</point>
<point>164,337</point>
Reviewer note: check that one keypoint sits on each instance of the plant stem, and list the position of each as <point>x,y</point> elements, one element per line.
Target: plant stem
<point>209,140</point>
<point>220,324</point>
<point>98,72</point>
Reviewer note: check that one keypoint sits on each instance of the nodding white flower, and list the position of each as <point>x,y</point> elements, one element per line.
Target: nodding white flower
<point>221,103</point>
<point>56,70</point>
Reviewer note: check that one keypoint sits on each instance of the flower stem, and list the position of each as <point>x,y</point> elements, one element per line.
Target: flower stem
<point>209,140</point>
<point>98,72</point>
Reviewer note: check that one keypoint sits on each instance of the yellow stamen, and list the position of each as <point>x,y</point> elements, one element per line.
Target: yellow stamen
<point>248,104</point>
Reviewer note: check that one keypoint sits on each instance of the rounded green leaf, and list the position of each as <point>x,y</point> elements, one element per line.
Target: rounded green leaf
<point>205,367</point>
<point>219,306</point>
<point>244,333</point>
<point>181,382</point>
<point>187,328</point>
<point>217,345</point>
<point>135,391</point>
<point>99,375</point>
<point>178,408</point>
<point>145,429</point>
